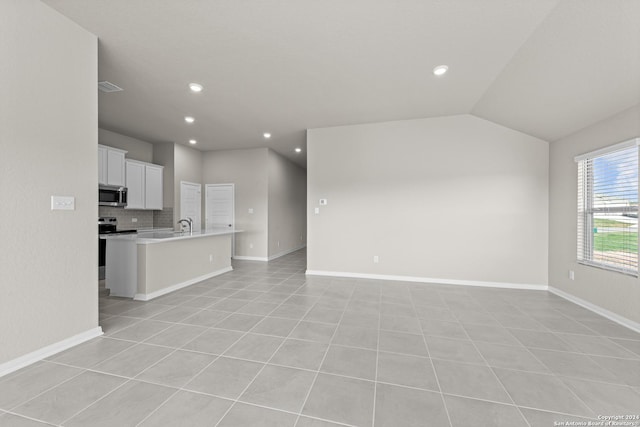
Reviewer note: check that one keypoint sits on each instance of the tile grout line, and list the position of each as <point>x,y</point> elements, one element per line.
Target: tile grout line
<point>435,373</point>
<point>547,374</point>
<point>169,325</point>
<point>238,284</point>
<point>176,349</point>
<point>44,423</point>
<point>204,368</point>
<point>82,370</point>
<point>375,385</point>
<point>309,416</point>
<point>559,378</point>
<point>313,383</point>
<point>551,373</point>
<point>127,381</point>
<point>504,388</point>
<point>346,345</point>
<point>264,363</point>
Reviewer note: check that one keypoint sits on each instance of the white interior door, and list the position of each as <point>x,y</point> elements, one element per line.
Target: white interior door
<point>219,208</point>
<point>190,203</point>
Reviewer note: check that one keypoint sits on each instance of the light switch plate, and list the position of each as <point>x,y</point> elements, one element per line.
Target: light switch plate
<point>63,203</point>
<point>317,210</point>
<point>250,210</point>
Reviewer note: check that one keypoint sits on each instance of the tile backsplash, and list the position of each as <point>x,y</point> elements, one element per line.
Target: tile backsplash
<point>163,218</point>
<point>125,216</point>
<point>146,219</point>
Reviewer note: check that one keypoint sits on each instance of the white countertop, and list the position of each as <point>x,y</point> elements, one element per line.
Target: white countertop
<point>130,236</point>
<point>146,238</point>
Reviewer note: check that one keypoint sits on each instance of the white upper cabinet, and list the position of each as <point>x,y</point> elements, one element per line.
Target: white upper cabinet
<point>144,185</point>
<point>111,166</point>
<point>135,184</point>
<point>153,187</point>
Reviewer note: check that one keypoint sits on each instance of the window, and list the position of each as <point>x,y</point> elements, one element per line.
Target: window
<point>608,208</point>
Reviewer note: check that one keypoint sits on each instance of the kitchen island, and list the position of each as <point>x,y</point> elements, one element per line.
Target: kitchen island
<point>155,263</point>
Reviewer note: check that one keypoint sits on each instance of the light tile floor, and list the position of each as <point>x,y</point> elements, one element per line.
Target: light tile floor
<point>266,346</point>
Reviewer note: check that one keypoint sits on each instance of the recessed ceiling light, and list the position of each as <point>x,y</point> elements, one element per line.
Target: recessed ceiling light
<point>440,70</point>
<point>195,87</point>
<point>298,150</point>
<point>192,141</point>
<point>267,135</point>
<point>189,119</point>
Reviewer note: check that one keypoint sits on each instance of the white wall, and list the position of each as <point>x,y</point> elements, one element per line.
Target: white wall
<point>247,169</point>
<point>136,148</point>
<point>287,205</point>
<point>187,166</point>
<point>456,198</point>
<point>48,141</point>
<point>613,291</point>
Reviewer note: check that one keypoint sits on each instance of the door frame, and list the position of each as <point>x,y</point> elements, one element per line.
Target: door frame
<point>233,210</point>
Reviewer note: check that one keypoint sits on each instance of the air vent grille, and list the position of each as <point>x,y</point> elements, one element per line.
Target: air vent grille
<point>108,87</point>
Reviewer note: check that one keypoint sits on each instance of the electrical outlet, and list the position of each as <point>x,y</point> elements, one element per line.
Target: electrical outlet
<point>572,275</point>
<point>317,211</point>
<point>323,202</point>
<point>250,210</point>
<point>250,245</point>
<point>376,259</point>
<point>134,219</point>
<point>210,257</point>
<point>278,243</point>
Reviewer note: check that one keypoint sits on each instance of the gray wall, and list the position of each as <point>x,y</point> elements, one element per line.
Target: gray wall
<point>287,198</point>
<point>48,140</point>
<point>248,170</point>
<point>613,291</point>
<point>456,198</point>
<point>187,166</point>
<point>136,148</point>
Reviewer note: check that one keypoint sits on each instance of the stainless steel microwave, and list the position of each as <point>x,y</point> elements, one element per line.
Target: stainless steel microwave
<point>112,195</point>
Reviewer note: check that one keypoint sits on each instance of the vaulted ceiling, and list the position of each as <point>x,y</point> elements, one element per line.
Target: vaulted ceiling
<point>544,67</point>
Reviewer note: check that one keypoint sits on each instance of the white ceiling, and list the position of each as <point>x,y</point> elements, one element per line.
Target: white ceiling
<point>544,67</point>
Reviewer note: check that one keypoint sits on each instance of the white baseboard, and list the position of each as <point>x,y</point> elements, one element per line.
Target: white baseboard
<point>271,258</point>
<point>428,280</point>
<point>251,258</point>
<point>279,254</point>
<point>50,350</point>
<point>634,326</point>
<point>177,286</point>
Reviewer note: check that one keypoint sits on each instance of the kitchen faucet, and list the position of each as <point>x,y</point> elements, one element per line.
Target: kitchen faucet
<point>189,222</point>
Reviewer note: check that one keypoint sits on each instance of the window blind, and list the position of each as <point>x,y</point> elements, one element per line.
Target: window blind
<point>608,208</point>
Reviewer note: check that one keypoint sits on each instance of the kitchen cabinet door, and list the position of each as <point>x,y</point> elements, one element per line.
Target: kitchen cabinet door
<point>135,172</point>
<point>153,187</point>
<point>102,165</point>
<point>115,167</point>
